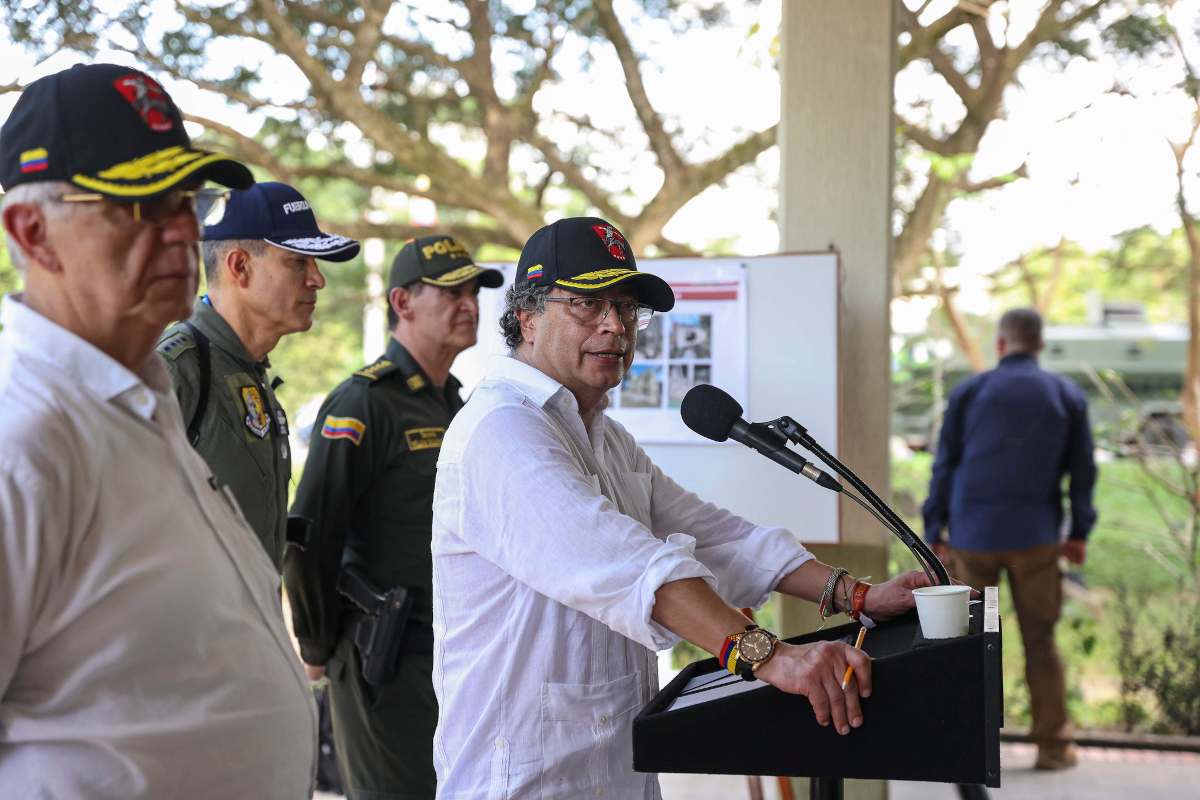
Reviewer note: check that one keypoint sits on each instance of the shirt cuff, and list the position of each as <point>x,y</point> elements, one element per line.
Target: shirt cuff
<point>674,560</point>
<point>765,557</point>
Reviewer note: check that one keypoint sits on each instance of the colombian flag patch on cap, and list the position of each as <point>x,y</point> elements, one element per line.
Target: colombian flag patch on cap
<point>343,428</point>
<point>34,160</point>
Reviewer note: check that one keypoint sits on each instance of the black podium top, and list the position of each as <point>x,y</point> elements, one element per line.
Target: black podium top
<point>934,714</point>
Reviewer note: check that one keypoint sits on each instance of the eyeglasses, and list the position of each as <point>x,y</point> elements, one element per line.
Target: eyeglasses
<point>594,310</point>
<point>208,205</point>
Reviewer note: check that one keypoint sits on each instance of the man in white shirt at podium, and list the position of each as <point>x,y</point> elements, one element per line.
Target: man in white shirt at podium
<point>563,556</point>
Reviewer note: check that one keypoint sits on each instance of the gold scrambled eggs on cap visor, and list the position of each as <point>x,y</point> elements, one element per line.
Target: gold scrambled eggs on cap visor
<point>652,290</point>
<point>460,275</point>
<point>159,172</point>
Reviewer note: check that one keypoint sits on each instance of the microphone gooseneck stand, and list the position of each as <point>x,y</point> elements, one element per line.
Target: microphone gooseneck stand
<point>834,788</point>
<point>934,568</point>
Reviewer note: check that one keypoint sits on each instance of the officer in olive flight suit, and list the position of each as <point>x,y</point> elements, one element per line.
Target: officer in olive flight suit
<point>368,487</point>
<point>263,279</point>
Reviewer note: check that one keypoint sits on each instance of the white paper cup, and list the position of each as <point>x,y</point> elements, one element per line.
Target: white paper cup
<point>944,610</point>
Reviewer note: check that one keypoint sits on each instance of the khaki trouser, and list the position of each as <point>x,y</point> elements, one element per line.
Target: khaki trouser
<point>1036,584</point>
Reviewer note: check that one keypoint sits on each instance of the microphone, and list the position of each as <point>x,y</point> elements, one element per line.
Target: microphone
<point>713,414</point>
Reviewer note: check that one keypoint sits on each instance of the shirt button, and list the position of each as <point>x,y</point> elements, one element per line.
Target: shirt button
<point>140,398</point>
<point>599,791</point>
<point>499,743</point>
<point>604,719</point>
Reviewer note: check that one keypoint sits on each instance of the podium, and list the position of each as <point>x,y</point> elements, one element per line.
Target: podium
<point>934,714</point>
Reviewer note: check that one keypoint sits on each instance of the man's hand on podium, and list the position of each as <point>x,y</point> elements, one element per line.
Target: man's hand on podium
<point>888,600</point>
<point>816,671</point>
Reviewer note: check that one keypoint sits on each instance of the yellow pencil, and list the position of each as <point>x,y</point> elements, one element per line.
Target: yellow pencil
<point>857,646</point>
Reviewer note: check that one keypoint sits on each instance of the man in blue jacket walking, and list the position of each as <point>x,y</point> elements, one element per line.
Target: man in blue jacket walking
<point>1008,438</point>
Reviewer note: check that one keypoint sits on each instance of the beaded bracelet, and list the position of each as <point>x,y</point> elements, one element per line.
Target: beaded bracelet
<point>826,607</point>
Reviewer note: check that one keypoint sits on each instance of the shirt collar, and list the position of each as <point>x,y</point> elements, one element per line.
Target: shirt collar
<point>1018,359</point>
<point>33,334</point>
<point>530,381</point>
<point>213,325</point>
<point>414,376</point>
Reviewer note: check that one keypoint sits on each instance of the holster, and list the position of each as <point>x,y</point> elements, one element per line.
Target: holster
<point>378,630</point>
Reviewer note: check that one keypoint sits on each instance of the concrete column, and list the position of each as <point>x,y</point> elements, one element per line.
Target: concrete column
<point>836,160</point>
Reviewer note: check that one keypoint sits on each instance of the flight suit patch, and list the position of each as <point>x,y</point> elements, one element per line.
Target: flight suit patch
<point>176,345</point>
<point>281,420</point>
<point>256,414</point>
<point>343,428</point>
<point>424,438</point>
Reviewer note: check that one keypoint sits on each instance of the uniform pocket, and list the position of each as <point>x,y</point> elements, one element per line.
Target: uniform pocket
<point>587,735</point>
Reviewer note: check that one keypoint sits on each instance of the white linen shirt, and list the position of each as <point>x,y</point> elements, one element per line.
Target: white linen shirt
<point>142,647</point>
<point>549,542</point>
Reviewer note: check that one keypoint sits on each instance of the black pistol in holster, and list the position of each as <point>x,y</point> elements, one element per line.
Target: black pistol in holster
<point>378,630</point>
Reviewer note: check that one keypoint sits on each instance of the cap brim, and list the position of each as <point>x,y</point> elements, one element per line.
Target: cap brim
<point>488,278</point>
<point>159,172</point>
<point>325,246</point>
<point>652,290</point>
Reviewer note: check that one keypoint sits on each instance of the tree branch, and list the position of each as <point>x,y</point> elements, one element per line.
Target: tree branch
<point>926,37</point>
<point>660,140</point>
<point>996,182</point>
<point>924,139</point>
<point>944,66</point>
<point>249,149</point>
<point>471,236</point>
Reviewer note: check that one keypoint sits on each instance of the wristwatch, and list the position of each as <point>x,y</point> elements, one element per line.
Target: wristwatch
<point>755,646</point>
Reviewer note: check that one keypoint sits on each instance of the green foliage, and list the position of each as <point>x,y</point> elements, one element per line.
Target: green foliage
<point>1143,265</point>
<point>1140,34</point>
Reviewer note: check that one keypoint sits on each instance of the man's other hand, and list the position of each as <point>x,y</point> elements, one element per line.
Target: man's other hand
<point>1075,551</point>
<point>816,671</point>
<point>885,601</point>
<point>314,673</point>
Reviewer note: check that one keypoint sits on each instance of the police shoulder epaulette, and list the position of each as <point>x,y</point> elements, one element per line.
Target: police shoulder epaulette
<point>377,370</point>
<point>176,344</point>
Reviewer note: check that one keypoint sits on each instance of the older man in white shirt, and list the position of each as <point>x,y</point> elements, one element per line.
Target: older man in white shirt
<point>142,646</point>
<point>563,555</point>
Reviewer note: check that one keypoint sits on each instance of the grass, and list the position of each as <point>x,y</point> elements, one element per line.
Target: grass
<point>1128,525</point>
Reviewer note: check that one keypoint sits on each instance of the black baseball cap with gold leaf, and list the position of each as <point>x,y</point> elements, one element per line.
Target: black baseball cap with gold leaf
<point>439,261</point>
<point>107,129</point>
<point>585,255</point>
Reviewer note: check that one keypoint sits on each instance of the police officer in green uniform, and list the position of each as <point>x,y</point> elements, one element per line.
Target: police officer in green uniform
<point>368,488</point>
<point>263,279</point>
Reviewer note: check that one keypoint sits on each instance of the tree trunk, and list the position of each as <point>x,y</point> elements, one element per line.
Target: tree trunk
<point>1191,380</point>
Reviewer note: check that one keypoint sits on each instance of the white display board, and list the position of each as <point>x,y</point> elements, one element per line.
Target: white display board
<point>772,332</point>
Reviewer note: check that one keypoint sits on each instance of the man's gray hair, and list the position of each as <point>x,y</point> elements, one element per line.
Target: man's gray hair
<point>44,195</point>
<point>520,297</point>
<point>213,252</point>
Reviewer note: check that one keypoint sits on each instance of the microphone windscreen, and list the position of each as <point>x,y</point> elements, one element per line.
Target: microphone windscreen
<point>710,411</point>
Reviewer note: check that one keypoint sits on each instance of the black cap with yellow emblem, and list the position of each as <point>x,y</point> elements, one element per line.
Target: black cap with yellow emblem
<point>107,129</point>
<point>439,261</point>
<point>585,255</point>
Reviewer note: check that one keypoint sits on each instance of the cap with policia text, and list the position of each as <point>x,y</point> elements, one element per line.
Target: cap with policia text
<point>278,214</point>
<point>585,255</point>
<point>439,261</point>
<point>107,129</point>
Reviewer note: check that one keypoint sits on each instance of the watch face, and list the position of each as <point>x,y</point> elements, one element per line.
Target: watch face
<point>755,646</point>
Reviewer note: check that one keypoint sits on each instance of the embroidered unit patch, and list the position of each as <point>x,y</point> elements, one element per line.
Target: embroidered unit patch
<point>343,428</point>
<point>613,240</point>
<point>148,100</point>
<point>424,438</point>
<point>256,415</point>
